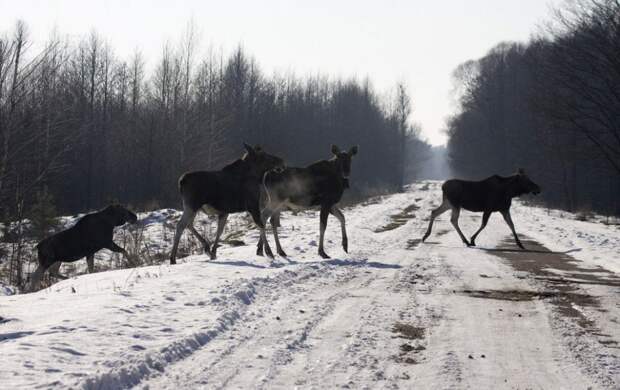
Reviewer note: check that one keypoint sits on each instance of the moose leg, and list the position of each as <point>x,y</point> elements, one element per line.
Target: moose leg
<point>256,216</point>
<point>485,219</point>
<point>323,225</point>
<point>445,206</point>
<point>265,213</point>
<point>204,241</point>
<point>455,222</point>
<point>117,249</point>
<point>508,219</point>
<point>46,258</point>
<point>54,270</point>
<point>186,219</point>
<point>335,211</point>
<point>259,247</point>
<point>35,278</point>
<point>221,223</point>
<point>275,223</point>
<point>90,261</point>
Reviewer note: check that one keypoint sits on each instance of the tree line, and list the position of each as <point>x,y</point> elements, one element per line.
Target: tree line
<point>551,106</point>
<point>82,127</point>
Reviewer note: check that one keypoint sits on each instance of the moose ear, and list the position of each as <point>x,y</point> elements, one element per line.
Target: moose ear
<point>248,148</point>
<point>335,149</point>
<point>521,171</point>
<point>353,150</point>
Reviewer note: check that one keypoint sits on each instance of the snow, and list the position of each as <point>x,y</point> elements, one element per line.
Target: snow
<point>393,313</point>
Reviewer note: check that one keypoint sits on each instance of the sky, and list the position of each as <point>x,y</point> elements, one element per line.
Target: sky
<point>416,42</point>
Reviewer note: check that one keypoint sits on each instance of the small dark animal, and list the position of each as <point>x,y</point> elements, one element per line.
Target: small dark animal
<point>489,195</point>
<point>233,189</point>
<point>90,234</point>
<point>319,184</point>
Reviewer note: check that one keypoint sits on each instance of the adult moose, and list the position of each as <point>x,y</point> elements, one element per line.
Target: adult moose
<point>489,195</point>
<point>233,189</point>
<point>90,234</point>
<point>319,184</point>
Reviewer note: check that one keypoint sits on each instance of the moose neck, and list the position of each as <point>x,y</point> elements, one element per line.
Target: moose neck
<point>111,218</point>
<point>243,169</point>
<point>514,189</point>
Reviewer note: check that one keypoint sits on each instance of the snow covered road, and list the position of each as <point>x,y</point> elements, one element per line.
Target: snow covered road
<point>394,313</point>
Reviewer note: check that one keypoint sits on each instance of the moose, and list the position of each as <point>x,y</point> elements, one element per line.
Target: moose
<point>492,194</point>
<point>233,189</point>
<point>319,184</point>
<point>90,234</point>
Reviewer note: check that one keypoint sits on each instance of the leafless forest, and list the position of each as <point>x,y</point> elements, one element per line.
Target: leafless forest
<point>81,127</point>
<point>551,106</point>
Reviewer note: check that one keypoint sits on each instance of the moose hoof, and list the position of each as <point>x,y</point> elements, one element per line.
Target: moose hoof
<point>472,243</point>
<point>345,246</point>
<point>173,261</point>
<point>324,255</point>
<point>259,252</point>
<point>269,254</point>
<point>282,253</point>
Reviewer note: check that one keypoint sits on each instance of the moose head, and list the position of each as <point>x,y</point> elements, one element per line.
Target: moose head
<point>524,185</point>
<point>343,160</point>
<point>119,215</point>
<point>261,160</point>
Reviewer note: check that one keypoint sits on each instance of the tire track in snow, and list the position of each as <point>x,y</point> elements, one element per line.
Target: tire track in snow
<point>237,299</point>
<point>220,364</point>
<point>229,349</point>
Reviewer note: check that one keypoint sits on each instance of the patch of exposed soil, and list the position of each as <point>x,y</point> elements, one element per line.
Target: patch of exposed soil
<point>408,331</point>
<point>399,219</point>
<point>540,262</point>
<point>408,352</point>
<point>527,295</point>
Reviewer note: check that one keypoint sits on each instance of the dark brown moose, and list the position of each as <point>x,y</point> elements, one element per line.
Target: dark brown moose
<point>90,234</point>
<point>233,189</point>
<point>319,184</point>
<point>489,195</point>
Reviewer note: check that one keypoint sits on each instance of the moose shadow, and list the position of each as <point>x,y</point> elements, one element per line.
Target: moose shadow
<point>335,262</point>
<point>13,335</point>
<point>238,263</point>
<point>517,250</point>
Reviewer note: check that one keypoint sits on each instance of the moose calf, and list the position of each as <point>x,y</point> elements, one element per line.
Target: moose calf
<point>90,234</point>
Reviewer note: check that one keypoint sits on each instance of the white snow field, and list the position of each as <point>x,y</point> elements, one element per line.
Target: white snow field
<point>393,313</point>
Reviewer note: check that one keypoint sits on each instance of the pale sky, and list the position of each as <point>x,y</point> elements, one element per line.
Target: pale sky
<point>418,42</point>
